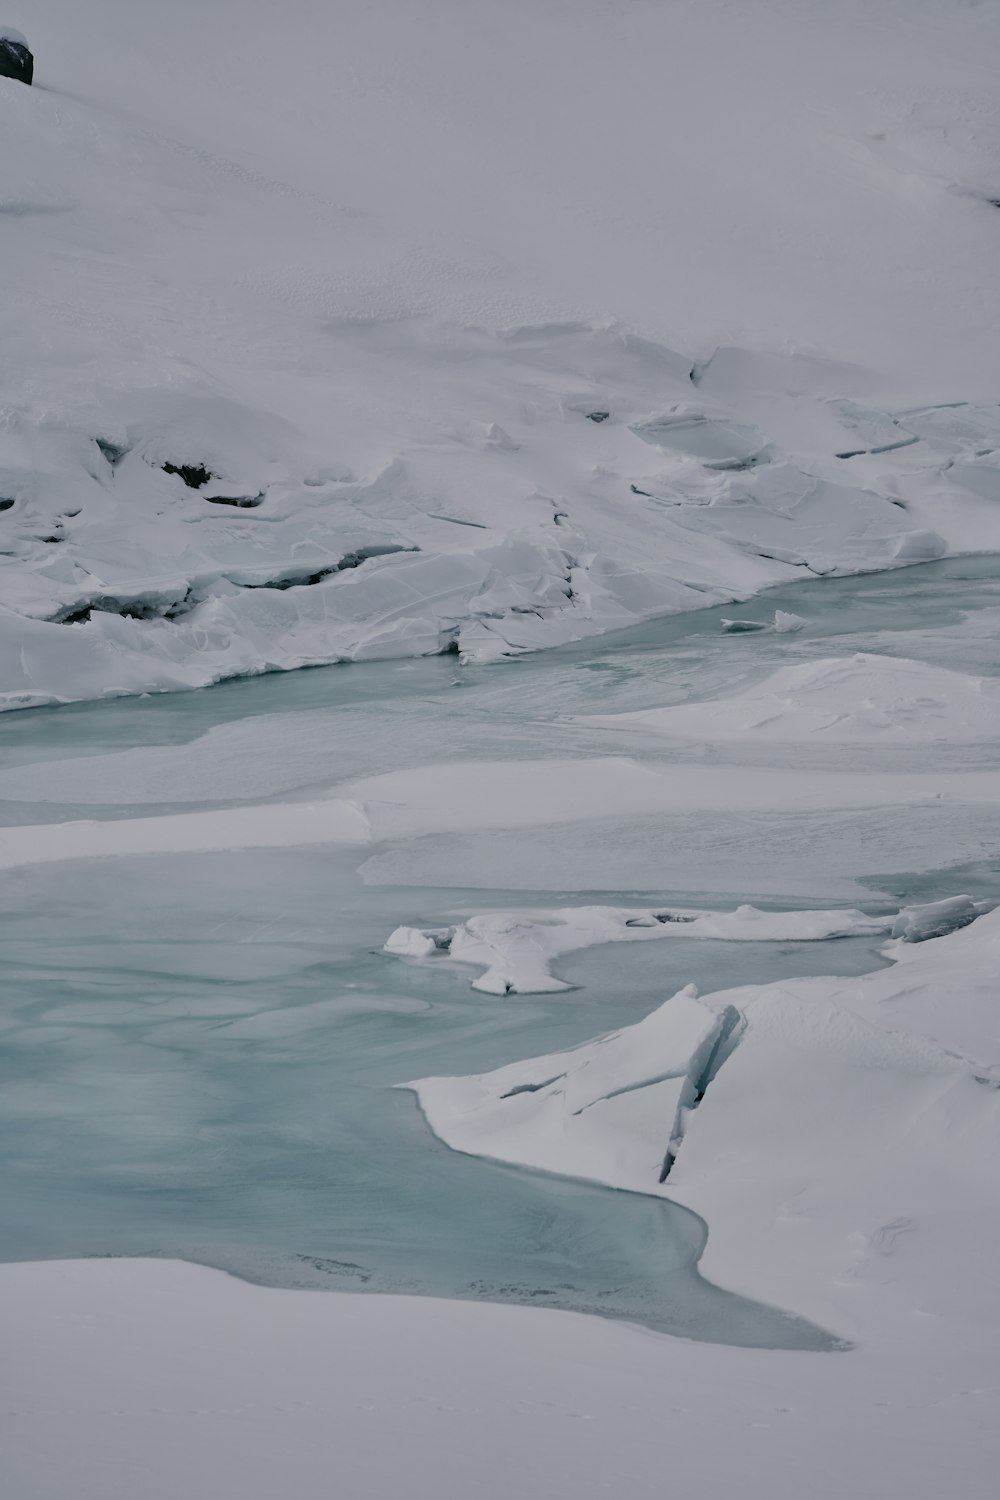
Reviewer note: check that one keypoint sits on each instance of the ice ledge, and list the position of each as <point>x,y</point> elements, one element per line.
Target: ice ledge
<point>806,1119</point>
<point>612,1110</point>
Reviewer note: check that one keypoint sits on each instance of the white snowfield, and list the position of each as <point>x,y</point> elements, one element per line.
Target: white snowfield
<point>840,1137</point>
<point>308,364</point>
<point>855,699</point>
<point>515,949</point>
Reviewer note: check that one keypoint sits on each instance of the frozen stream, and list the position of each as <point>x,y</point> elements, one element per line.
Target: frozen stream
<point>198,1050</point>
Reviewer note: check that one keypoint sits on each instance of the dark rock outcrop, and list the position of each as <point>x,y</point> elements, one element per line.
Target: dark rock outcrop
<point>16,60</point>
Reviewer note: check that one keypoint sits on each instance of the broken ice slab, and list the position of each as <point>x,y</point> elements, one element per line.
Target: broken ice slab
<point>610,1110</point>
<point>742,627</point>
<point>717,442</point>
<point>416,942</point>
<point>787,623</point>
<point>916,924</point>
<point>784,623</point>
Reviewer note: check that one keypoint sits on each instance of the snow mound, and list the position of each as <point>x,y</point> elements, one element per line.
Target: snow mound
<point>841,699</point>
<point>516,949</point>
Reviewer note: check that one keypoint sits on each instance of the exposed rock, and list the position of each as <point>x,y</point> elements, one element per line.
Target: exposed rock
<point>16,60</point>
<point>193,475</point>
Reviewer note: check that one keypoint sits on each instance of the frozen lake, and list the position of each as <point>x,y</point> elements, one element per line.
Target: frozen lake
<point>199,1051</point>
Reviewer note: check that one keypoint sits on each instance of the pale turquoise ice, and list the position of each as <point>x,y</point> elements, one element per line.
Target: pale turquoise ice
<point>197,1053</point>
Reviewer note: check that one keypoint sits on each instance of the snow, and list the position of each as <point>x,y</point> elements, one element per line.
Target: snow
<point>11,34</point>
<point>309,1393</point>
<point>850,700</point>
<point>916,924</point>
<point>391,331</point>
<point>383,358</point>
<point>607,1112</point>
<point>844,1155</point>
<point>834,1119</point>
<point>516,949</point>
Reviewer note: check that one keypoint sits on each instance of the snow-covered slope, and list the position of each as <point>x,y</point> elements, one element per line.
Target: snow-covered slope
<point>385,330</point>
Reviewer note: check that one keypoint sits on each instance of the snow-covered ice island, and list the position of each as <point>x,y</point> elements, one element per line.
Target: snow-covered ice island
<point>617,390</point>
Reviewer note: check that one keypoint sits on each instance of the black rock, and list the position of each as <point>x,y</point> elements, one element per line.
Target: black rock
<point>16,60</point>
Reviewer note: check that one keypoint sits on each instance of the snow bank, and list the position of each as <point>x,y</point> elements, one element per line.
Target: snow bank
<point>516,949</point>
<point>850,700</point>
